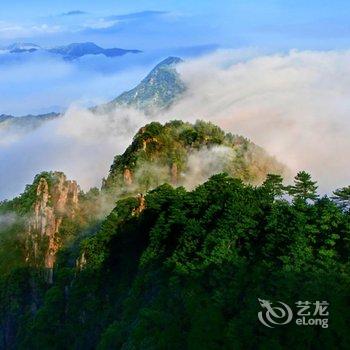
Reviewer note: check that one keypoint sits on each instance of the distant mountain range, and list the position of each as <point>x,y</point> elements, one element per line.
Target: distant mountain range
<point>69,52</point>
<point>73,51</point>
<point>22,48</point>
<point>157,91</point>
<point>25,123</point>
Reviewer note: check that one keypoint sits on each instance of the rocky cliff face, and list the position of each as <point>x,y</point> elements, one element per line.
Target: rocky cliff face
<point>55,200</point>
<point>141,205</point>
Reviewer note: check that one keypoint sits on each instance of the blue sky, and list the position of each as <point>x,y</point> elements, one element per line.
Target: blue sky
<point>41,82</point>
<point>277,24</point>
<point>158,28</point>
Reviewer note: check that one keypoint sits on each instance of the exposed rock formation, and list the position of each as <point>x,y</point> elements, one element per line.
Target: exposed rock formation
<point>55,200</point>
<point>80,261</point>
<point>150,140</point>
<point>141,206</point>
<point>127,177</point>
<point>174,174</point>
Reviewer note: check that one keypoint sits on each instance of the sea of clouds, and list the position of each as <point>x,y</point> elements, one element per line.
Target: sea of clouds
<point>296,105</point>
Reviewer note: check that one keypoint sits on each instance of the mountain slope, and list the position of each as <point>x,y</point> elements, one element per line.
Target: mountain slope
<point>187,154</point>
<point>177,153</point>
<point>157,91</point>
<point>185,270</point>
<point>170,268</point>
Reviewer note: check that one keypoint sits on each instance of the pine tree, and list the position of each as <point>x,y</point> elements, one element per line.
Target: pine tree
<point>304,188</point>
<point>274,184</point>
<point>342,197</point>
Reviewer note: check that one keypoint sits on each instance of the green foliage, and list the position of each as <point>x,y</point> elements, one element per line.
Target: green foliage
<point>186,273</point>
<point>274,185</point>
<point>11,246</point>
<point>342,197</point>
<point>156,148</point>
<point>304,188</point>
<point>24,203</point>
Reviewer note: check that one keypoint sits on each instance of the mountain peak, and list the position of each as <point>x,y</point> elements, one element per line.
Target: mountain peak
<point>167,64</point>
<point>157,91</point>
<point>182,154</point>
<point>171,60</point>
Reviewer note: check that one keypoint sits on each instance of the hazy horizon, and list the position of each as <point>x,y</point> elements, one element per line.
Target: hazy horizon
<point>274,73</point>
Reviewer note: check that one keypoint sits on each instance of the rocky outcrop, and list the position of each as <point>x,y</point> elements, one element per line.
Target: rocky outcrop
<point>80,261</point>
<point>141,205</point>
<point>56,199</point>
<point>174,174</point>
<point>127,177</point>
<point>150,140</point>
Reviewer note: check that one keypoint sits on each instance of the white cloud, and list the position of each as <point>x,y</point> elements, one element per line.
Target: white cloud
<point>12,30</point>
<point>7,220</point>
<point>80,144</point>
<point>295,105</point>
<point>204,163</point>
<point>100,23</point>
<point>40,80</point>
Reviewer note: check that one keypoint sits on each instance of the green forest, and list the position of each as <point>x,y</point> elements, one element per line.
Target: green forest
<point>177,268</point>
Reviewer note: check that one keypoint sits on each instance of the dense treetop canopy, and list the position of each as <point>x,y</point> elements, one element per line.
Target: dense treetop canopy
<point>187,272</point>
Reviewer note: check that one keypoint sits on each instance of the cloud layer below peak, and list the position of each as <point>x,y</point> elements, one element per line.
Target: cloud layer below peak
<point>295,105</point>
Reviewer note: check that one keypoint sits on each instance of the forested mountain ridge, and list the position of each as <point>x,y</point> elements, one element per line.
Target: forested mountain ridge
<point>187,154</point>
<point>53,209</point>
<point>170,267</point>
<point>184,270</point>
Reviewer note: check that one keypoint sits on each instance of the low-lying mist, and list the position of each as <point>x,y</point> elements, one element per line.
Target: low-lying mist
<point>7,220</point>
<point>294,105</point>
